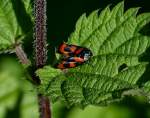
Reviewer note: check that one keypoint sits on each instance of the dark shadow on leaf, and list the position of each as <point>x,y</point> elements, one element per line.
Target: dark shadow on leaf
<point>122,67</point>
<point>63,111</point>
<point>51,54</point>
<point>139,107</point>
<point>146,30</point>
<point>145,58</point>
<point>145,77</point>
<point>15,112</point>
<point>34,78</point>
<point>23,18</point>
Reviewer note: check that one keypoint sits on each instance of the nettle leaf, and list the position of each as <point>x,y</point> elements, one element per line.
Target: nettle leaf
<point>15,23</point>
<point>117,45</point>
<point>17,94</point>
<point>145,90</point>
<point>48,74</point>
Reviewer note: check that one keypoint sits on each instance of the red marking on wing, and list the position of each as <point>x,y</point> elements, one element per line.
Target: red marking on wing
<point>78,59</point>
<point>62,47</point>
<point>72,64</point>
<point>78,51</point>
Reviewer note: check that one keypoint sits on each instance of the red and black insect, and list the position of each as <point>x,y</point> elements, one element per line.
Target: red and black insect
<point>73,56</point>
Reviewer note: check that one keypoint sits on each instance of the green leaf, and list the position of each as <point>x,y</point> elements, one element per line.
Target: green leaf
<point>113,37</point>
<point>29,102</point>
<point>9,73</point>
<point>132,74</point>
<point>146,89</point>
<point>142,20</point>
<point>13,29</point>
<point>72,93</point>
<point>17,95</point>
<point>53,88</point>
<point>47,74</point>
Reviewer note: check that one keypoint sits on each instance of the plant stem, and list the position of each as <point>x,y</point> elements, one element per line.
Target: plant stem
<point>44,106</point>
<point>41,51</point>
<point>40,33</point>
<point>24,60</point>
<point>21,54</point>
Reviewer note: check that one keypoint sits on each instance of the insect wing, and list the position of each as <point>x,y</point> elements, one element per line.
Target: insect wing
<point>67,50</point>
<point>65,64</point>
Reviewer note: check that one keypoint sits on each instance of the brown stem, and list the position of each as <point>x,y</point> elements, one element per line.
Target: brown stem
<point>41,51</point>
<point>24,60</point>
<point>44,106</point>
<point>21,55</point>
<point>40,33</point>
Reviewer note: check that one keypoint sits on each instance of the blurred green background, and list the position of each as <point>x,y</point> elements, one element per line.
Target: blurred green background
<point>18,96</point>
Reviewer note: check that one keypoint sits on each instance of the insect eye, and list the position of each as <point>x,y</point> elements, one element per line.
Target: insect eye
<point>86,57</point>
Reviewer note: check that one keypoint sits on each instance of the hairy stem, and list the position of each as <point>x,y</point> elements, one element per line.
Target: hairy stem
<point>41,51</point>
<point>40,33</point>
<point>21,54</point>
<point>24,60</point>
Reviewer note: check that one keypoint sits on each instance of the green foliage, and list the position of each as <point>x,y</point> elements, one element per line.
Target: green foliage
<point>13,26</point>
<point>17,95</point>
<point>117,46</point>
<point>48,74</point>
<point>114,71</point>
<point>98,112</point>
